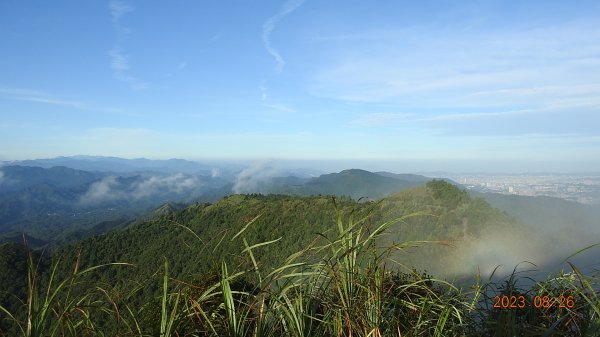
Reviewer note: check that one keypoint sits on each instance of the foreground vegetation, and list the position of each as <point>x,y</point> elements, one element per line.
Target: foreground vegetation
<point>345,280</point>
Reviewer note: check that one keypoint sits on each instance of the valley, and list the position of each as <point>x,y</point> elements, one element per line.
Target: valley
<point>139,223</point>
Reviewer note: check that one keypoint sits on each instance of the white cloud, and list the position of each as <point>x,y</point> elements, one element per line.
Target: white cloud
<point>110,189</point>
<point>178,183</point>
<point>22,92</point>
<point>269,25</point>
<point>101,191</point>
<point>38,97</point>
<point>119,63</point>
<point>119,9</point>
<point>478,115</point>
<point>278,107</point>
<point>382,118</point>
<point>400,119</point>
<point>252,177</point>
<point>415,67</point>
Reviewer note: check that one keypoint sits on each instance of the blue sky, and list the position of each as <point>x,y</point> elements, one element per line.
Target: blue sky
<point>510,84</point>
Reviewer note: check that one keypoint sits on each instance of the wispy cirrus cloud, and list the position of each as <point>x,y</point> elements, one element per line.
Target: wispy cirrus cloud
<point>415,67</point>
<point>119,61</point>
<point>288,7</point>
<point>36,96</point>
<point>509,82</point>
<point>382,118</point>
<point>43,97</point>
<point>118,9</point>
<point>279,107</point>
<point>461,116</point>
<point>485,123</point>
<point>395,119</point>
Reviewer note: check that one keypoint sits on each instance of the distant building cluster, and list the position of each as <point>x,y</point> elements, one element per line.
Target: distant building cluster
<point>580,188</point>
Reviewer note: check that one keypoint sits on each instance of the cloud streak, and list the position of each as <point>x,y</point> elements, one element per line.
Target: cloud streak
<point>396,119</point>
<point>38,97</point>
<point>383,118</point>
<point>119,61</point>
<point>41,97</point>
<point>278,107</point>
<point>269,26</point>
<point>118,9</point>
<point>514,68</point>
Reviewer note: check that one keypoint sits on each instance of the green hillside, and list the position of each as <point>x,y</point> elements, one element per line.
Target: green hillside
<point>327,264</point>
<point>547,212</point>
<point>191,238</point>
<point>358,184</point>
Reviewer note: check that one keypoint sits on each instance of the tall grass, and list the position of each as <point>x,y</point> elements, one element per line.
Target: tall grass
<point>58,309</point>
<point>343,284</point>
<point>567,304</point>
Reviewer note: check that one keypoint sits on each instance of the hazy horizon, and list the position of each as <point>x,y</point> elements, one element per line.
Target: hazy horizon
<point>389,165</point>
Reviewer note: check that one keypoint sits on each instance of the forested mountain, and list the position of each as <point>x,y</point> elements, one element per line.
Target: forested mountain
<point>417,178</point>
<point>354,183</point>
<point>44,202</point>
<point>13,278</point>
<point>180,264</point>
<point>58,204</point>
<point>361,184</point>
<point>16,178</point>
<point>546,212</point>
<point>195,239</point>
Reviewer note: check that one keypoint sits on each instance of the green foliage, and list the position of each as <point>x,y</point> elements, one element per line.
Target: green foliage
<point>564,305</point>
<point>53,306</point>
<point>254,265</point>
<point>447,193</point>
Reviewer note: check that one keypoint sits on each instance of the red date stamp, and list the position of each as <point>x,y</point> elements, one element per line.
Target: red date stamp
<point>539,302</point>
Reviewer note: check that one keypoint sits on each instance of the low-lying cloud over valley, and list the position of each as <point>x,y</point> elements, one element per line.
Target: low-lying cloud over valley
<point>112,188</point>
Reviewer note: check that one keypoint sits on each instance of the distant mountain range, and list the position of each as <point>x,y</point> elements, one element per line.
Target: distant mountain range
<point>54,203</point>
<point>118,165</point>
<point>58,204</point>
<point>448,214</point>
<point>156,220</point>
